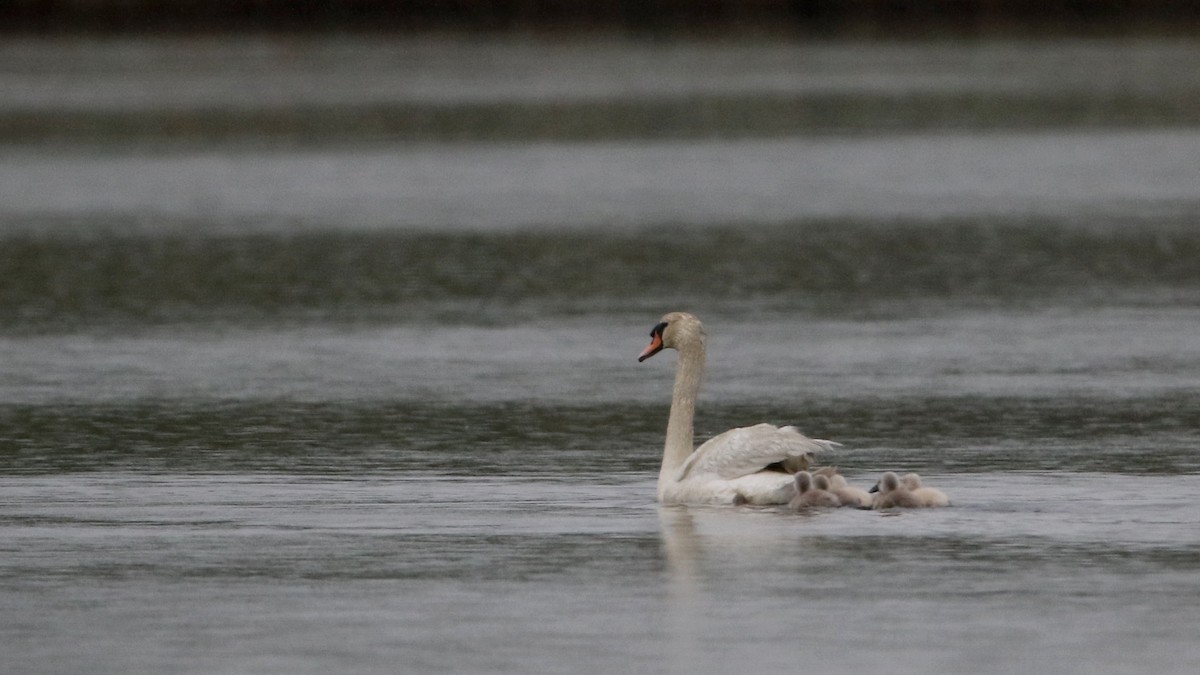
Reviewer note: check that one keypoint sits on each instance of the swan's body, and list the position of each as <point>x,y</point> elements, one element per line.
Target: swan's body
<point>928,496</point>
<point>848,494</point>
<point>893,494</point>
<point>748,465</point>
<point>812,492</point>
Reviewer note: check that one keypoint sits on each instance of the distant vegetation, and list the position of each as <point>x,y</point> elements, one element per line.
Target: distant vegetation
<point>857,17</point>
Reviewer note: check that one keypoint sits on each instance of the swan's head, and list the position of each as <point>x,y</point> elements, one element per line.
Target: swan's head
<point>911,481</point>
<point>675,330</point>
<point>821,482</point>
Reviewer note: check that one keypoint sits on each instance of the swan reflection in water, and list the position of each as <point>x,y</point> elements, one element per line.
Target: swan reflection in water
<point>685,596</point>
<point>723,569</point>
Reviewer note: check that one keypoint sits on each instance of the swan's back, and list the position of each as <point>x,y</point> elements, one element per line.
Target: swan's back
<point>746,450</point>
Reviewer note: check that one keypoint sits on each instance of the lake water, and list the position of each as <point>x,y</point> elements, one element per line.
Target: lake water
<point>319,355</point>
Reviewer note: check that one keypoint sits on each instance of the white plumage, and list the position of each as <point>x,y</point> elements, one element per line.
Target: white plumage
<point>745,465</point>
<point>745,450</point>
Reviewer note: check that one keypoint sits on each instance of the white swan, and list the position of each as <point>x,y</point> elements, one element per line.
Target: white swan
<point>812,491</point>
<point>929,496</point>
<point>745,465</point>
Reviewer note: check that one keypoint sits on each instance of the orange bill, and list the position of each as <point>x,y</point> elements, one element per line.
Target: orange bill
<point>653,348</point>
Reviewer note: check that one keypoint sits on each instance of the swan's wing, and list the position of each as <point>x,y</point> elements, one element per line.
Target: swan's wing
<point>746,450</point>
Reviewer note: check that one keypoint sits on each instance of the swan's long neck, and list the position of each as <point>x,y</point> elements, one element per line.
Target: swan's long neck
<point>689,370</point>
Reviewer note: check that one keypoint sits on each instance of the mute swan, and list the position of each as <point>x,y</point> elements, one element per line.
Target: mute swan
<point>894,495</point>
<point>848,494</point>
<point>748,465</point>
<point>928,496</point>
<point>812,492</point>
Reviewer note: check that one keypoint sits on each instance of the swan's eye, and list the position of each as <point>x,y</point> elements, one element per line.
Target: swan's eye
<point>658,330</point>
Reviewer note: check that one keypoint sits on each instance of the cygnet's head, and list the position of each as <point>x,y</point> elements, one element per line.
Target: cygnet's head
<point>890,481</point>
<point>821,482</point>
<point>804,481</point>
<point>911,481</point>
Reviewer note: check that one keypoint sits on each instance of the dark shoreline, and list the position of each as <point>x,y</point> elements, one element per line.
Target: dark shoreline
<point>860,18</point>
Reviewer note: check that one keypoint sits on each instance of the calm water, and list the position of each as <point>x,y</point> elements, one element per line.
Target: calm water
<point>319,355</point>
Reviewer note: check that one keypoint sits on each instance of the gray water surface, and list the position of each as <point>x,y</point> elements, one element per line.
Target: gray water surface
<point>273,573</point>
<point>1084,176</point>
<point>319,355</point>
